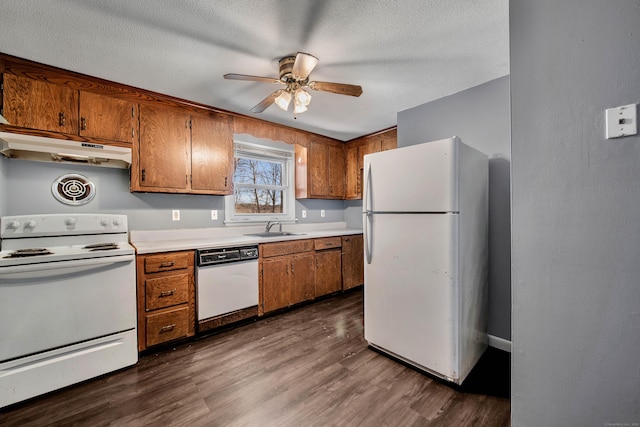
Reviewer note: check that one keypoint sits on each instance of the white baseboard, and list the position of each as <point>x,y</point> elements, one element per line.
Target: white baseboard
<point>499,343</point>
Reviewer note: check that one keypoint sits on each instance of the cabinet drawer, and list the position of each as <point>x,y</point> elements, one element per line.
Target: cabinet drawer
<point>166,291</point>
<point>167,262</point>
<point>167,326</point>
<point>285,248</point>
<point>327,243</point>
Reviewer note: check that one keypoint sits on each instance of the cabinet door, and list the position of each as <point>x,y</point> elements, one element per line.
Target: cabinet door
<point>317,164</point>
<point>211,154</point>
<point>276,279</point>
<point>109,118</point>
<point>352,261</point>
<point>164,148</point>
<point>40,105</point>
<point>304,277</point>
<point>336,171</point>
<point>352,187</point>
<point>328,272</point>
<point>389,140</point>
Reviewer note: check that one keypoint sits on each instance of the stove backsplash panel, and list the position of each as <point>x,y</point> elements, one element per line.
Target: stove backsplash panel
<point>25,188</point>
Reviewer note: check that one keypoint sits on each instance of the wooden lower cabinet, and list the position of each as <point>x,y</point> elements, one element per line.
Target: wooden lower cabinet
<point>352,261</point>
<point>166,297</point>
<point>287,274</point>
<point>276,281</point>
<point>328,265</point>
<point>301,270</point>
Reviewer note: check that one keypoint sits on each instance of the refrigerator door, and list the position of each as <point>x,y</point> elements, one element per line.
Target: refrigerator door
<point>418,178</point>
<point>411,286</point>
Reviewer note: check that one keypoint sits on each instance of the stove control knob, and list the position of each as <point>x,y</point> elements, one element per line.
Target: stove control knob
<point>30,225</point>
<point>70,222</point>
<point>13,225</point>
<point>116,222</point>
<point>105,222</point>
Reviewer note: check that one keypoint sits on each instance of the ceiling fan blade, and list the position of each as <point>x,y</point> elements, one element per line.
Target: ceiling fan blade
<point>339,88</point>
<point>231,76</point>
<point>266,103</point>
<point>303,65</point>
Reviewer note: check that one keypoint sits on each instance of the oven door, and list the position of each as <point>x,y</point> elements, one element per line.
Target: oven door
<point>49,305</point>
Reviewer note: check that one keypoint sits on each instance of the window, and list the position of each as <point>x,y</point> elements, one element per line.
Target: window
<point>263,184</point>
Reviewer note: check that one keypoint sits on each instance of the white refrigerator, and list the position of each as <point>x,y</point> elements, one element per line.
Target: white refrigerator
<point>425,225</point>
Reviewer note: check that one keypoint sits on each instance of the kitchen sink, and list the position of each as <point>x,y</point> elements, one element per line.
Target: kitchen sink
<point>275,234</point>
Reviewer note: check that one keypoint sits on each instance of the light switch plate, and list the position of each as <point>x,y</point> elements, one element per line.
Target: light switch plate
<point>304,214</point>
<point>214,215</point>
<point>175,215</point>
<point>322,213</point>
<point>621,121</point>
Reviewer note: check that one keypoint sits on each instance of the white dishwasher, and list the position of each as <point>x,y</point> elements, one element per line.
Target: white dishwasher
<point>227,280</point>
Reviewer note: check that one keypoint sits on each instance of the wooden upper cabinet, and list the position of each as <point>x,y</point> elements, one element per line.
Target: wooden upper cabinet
<point>324,164</point>
<point>108,118</point>
<point>352,181</point>
<point>43,106</point>
<point>40,105</point>
<point>389,140</point>
<point>163,151</point>
<point>317,164</point>
<point>212,154</point>
<point>182,153</point>
<point>336,171</point>
<point>355,152</point>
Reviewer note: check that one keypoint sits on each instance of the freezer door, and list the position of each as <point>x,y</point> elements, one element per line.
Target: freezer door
<point>411,289</point>
<point>418,178</point>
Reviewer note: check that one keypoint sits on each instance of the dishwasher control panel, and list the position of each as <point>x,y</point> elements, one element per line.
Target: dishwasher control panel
<point>219,256</point>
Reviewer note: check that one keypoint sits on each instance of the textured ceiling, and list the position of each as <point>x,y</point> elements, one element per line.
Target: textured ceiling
<point>402,52</point>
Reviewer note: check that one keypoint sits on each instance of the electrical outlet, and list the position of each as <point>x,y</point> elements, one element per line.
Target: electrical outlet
<point>175,215</point>
<point>214,215</point>
<point>322,213</point>
<point>304,214</point>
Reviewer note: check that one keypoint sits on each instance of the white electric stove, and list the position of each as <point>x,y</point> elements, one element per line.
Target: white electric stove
<point>67,301</point>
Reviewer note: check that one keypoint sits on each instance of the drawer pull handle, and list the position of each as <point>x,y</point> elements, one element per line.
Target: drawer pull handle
<point>168,328</point>
<point>167,264</point>
<point>61,119</point>
<point>83,123</point>
<point>167,293</point>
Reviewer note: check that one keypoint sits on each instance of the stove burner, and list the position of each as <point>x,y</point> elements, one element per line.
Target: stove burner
<point>21,253</point>
<point>101,247</point>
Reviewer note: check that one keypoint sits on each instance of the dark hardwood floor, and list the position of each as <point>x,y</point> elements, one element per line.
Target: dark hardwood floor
<point>307,367</point>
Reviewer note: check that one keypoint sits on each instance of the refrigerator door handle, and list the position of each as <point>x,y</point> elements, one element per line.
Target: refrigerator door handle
<point>367,191</point>
<point>368,218</point>
<point>367,215</point>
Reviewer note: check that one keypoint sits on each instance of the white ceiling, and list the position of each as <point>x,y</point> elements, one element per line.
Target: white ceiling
<point>402,52</point>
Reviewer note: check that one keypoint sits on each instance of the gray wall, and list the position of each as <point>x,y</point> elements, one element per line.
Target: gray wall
<point>576,214</point>
<point>27,186</point>
<point>3,186</point>
<point>480,116</point>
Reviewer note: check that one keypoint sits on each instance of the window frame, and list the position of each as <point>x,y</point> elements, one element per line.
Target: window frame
<point>255,151</point>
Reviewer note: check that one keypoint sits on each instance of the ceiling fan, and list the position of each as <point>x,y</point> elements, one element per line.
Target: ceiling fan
<point>294,74</point>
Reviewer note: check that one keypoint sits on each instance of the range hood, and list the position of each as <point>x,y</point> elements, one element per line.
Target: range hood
<point>29,147</point>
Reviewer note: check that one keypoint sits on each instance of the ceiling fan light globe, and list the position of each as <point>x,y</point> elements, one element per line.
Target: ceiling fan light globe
<point>299,108</point>
<point>283,100</point>
<point>302,97</point>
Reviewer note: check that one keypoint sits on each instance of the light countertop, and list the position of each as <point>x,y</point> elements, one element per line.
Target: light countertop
<point>154,241</point>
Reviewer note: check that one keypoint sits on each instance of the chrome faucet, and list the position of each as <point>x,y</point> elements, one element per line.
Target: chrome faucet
<point>271,224</point>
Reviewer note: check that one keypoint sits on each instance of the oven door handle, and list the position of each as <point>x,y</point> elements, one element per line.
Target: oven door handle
<point>61,267</point>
